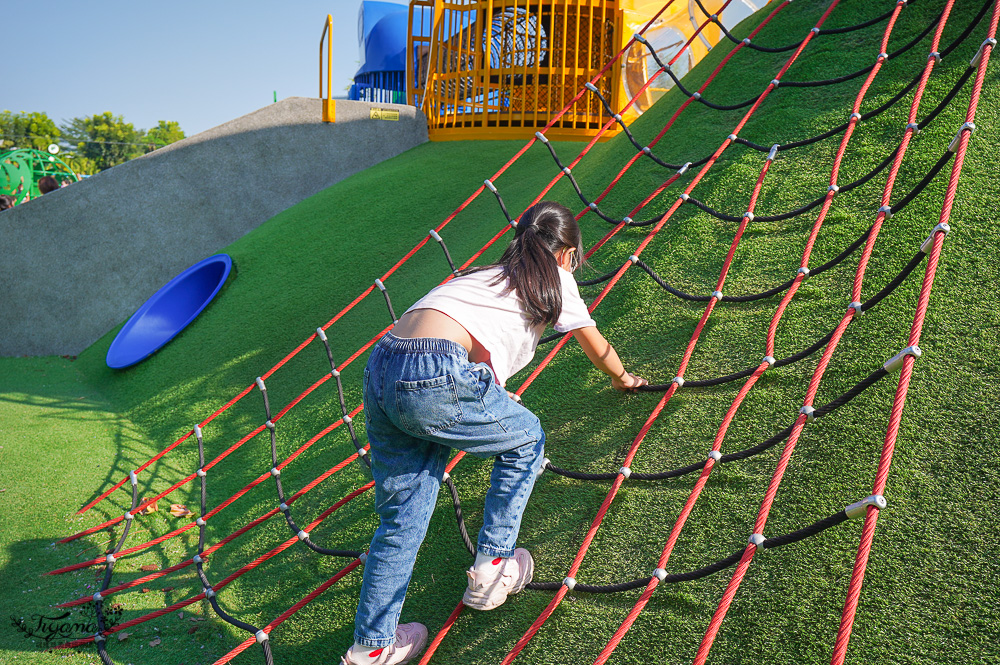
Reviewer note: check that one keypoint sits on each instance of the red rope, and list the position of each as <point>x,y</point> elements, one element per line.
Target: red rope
<point>899,400</point>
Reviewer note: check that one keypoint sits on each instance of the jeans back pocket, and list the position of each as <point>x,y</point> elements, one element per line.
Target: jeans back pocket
<point>429,405</point>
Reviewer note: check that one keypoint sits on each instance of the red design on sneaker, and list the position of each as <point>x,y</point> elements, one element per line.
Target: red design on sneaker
<point>410,641</point>
<point>489,589</point>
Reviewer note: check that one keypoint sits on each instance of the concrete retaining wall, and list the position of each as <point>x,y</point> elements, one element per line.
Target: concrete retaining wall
<point>80,260</point>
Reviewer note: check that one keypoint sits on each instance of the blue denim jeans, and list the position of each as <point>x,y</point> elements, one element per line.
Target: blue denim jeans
<point>423,398</point>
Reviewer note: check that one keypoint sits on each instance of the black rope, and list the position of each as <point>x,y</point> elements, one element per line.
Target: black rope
<point>363,459</point>
<point>780,49</point>
<point>746,453</point>
<point>283,504</point>
<point>731,560</point>
<point>791,213</point>
<point>99,638</point>
<point>388,302</point>
<point>457,504</point>
<point>836,130</point>
<point>447,254</point>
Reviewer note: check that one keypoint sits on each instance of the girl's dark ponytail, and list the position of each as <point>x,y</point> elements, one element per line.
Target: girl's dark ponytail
<point>529,263</point>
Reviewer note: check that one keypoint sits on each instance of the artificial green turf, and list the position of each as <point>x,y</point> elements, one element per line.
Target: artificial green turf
<point>930,594</point>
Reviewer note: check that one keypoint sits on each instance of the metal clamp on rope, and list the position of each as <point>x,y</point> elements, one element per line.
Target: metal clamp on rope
<point>714,18</point>
<point>200,521</point>
<point>886,210</point>
<point>775,82</point>
<point>682,170</point>
<point>362,452</point>
<point>283,507</point>
<point>625,472</point>
<point>569,583</point>
<point>717,295</point>
<point>749,215</point>
<point>260,384</point>
<point>774,152</point>
<point>935,56</point>
<point>275,471</point>
<point>321,334</point>
<point>129,516</point>
<point>715,454</point>
<point>268,424</point>
<point>617,117</point>
<point>639,38</point>
<point>860,508</point>
<point>434,234</point>
<point>769,360</point>
<point>856,306</point>
<point>197,431</point>
<point>757,539</point>
<point>363,557</point>
<point>626,220</point>
<point>804,271</point>
<point>925,246</point>
<point>545,464</point>
<point>854,116</point>
<point>490,186</point>
<point>953,146</point>
<point>541,137</point>
<point>201,473</point>
<point>914,126</point>
<point>347,420</point>
<point>979,54</point>
<point>696,96</point>
<point>685,196</point>
<point>646,150</point>
<point>98,637</point>
<point>659,574</point>
<point>634,259</point>
<point>261,636</point>
<point>894,363</point>
<point>592,206</point>
<point>590,86</point>
<point>809,412</point>
<point>302,535</point>
<point>97,597</point>
<point>679,380</point>
<point>197,558</point>
<point>881,56</point>
<point>209,592</point>
<point>814,30</point>
<point>132,478</point>
<point>380,285</point>
<point>732,137</point>
<point>746,41</point>
<point>567,170</point>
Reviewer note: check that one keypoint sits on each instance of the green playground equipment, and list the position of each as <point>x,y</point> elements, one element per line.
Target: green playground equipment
<point>22,168</point>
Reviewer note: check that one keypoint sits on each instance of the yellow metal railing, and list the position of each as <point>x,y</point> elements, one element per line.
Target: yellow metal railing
<point>329,104</point>
<point>503,68</point>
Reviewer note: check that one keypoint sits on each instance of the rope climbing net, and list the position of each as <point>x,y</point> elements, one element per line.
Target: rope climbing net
<point>678,187</point>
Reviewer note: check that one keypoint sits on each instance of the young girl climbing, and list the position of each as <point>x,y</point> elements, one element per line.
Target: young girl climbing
<point>435,384</point>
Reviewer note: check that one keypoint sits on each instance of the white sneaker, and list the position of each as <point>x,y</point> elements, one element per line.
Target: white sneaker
<point>490,584</point>
<point>410,641</point>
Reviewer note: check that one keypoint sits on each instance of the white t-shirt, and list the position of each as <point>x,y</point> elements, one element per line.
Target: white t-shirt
<point>498,321</point>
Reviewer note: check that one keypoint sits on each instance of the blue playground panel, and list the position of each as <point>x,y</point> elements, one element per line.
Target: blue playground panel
<point>169,311</point>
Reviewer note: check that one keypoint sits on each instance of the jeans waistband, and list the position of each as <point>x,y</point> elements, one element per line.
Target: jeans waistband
<point>392,344</point>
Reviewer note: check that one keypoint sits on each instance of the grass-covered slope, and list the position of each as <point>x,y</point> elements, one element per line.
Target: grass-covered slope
<point>930,594</point>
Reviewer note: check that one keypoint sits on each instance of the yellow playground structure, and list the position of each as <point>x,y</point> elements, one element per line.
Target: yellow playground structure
<point>500,69</point>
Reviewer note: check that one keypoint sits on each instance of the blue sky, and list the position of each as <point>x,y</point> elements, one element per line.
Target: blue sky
<point>199,63</point>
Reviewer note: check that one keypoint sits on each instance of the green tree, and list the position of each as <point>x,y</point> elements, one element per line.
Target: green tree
<point>104,138</point>
<point>27,130</point>
<point>165,133</point>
